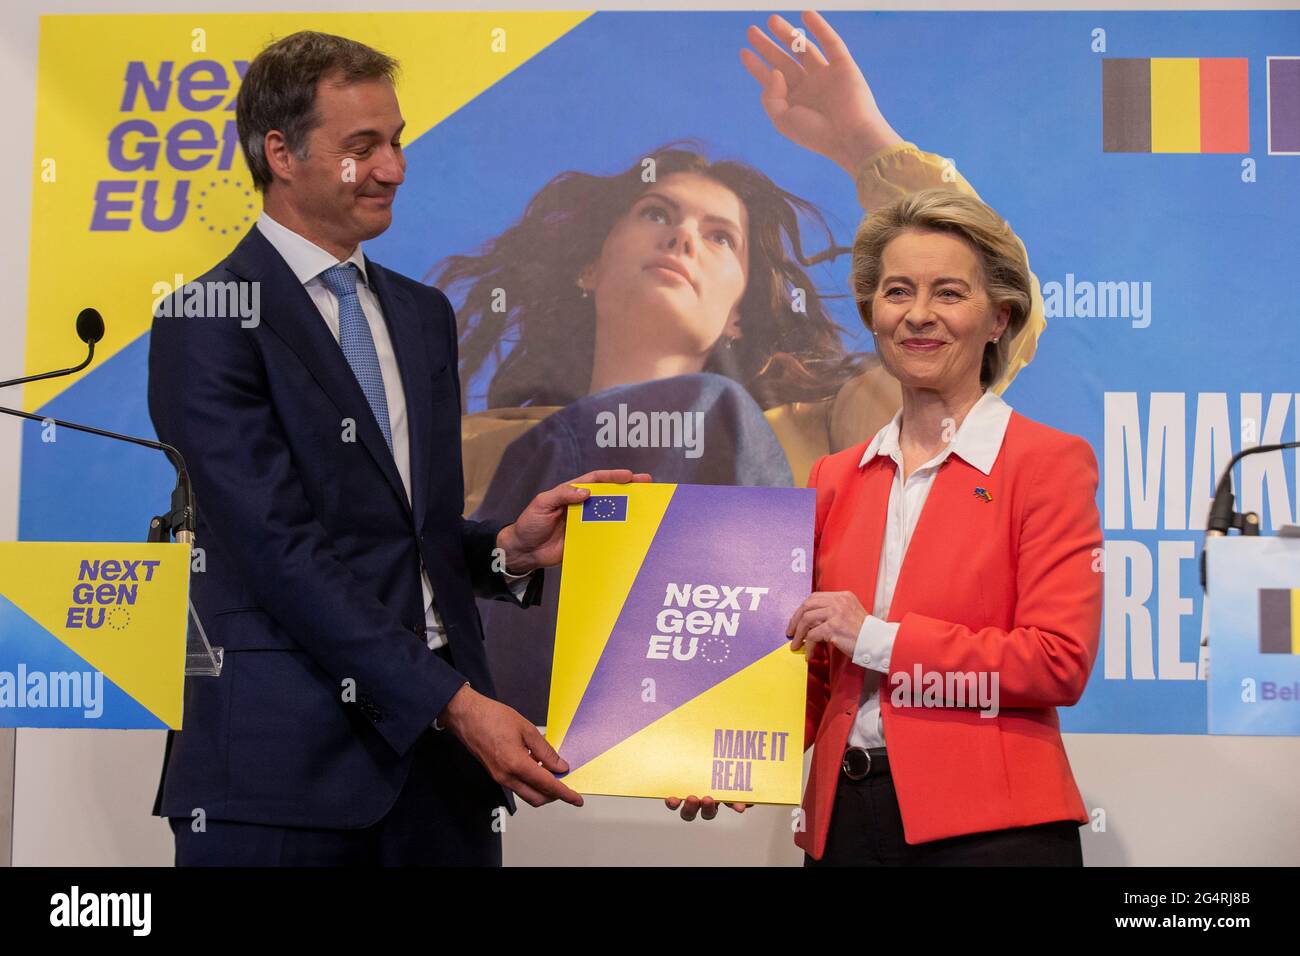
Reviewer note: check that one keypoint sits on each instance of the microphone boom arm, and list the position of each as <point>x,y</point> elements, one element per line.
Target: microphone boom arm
<point>179,522</point>
<point>90,354</point>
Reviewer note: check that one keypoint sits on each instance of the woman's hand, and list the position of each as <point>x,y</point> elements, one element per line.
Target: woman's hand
<point>693,805</point>
<point>822,102</point>
<point>831,617</point>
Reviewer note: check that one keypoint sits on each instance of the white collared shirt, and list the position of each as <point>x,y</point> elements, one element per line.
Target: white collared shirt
<point>977,442</point>
<point>307,261</point>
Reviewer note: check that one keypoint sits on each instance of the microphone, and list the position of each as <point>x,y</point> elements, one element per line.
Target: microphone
<point>90,329</point>
<point>1223,512</point>
<point>180,520</point>
<point>90,326</point>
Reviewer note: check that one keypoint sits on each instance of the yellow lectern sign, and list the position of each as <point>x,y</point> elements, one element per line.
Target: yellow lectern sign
<point>93,634</point>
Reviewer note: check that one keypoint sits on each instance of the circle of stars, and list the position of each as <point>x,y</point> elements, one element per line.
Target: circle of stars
<point>715,650</point>
<point>228,202</point>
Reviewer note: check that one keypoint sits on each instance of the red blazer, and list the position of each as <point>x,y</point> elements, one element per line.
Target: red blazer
<point>1011,586</point>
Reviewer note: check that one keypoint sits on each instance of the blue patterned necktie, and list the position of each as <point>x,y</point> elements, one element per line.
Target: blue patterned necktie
<point>357,343</point>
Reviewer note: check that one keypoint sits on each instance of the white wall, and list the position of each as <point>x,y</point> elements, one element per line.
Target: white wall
<point>83,797</point>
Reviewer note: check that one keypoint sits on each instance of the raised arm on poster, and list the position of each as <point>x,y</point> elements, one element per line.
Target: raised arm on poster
<point>819,100</point>
<point>672,669</point>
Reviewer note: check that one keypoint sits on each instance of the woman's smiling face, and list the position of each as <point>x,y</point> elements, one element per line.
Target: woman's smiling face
<point>931,314</point>
<point>674,266</point>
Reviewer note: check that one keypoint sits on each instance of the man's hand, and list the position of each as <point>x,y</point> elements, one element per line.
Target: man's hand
<point>536,539</point>
<point>511,749</point>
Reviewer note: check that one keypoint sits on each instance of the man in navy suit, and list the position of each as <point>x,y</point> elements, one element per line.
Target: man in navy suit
<point>354,720</point>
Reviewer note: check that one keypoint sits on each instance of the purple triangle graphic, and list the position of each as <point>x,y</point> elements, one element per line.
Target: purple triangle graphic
<point>722,536</point>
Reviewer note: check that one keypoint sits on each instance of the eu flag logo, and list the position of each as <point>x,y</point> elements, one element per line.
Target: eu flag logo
<point>605,508</point>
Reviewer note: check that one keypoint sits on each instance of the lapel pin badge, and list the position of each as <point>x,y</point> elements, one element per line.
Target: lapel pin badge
<point>983,494</point>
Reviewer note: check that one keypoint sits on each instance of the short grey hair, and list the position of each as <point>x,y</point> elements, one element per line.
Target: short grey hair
<point>279,90</point>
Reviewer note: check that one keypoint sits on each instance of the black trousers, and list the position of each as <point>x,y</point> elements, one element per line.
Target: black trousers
<point>444,816</point>
<point>867,830</point>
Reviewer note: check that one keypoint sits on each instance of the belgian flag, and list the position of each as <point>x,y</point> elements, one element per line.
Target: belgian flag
<point>1175,105</point>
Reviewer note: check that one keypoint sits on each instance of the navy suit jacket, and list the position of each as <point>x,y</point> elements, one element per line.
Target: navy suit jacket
<point>313,553</point>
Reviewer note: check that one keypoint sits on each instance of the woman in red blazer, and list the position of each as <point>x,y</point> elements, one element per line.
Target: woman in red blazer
<point>958,585</point>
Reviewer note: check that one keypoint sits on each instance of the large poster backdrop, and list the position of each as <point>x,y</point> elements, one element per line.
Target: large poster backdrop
<point>1147,160</point>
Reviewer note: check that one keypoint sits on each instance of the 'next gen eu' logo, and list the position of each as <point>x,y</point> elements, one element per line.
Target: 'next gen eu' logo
<point>106,591</point>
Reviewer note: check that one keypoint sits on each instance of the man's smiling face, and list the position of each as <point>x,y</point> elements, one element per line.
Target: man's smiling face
<point>345,184</point>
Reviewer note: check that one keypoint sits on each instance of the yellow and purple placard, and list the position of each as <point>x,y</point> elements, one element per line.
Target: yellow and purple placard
<point>1254,600</point>
<point>93,635</point>
<point>673,675</point>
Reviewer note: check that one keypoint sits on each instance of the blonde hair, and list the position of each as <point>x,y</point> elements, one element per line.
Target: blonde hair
<point>943,209</point>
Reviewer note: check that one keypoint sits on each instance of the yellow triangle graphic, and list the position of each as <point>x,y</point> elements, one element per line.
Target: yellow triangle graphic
<point>601,561</point>
<point>675,755</point>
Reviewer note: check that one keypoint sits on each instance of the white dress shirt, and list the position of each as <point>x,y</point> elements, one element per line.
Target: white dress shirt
<point>307,261</point>
<point>977,442</point>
